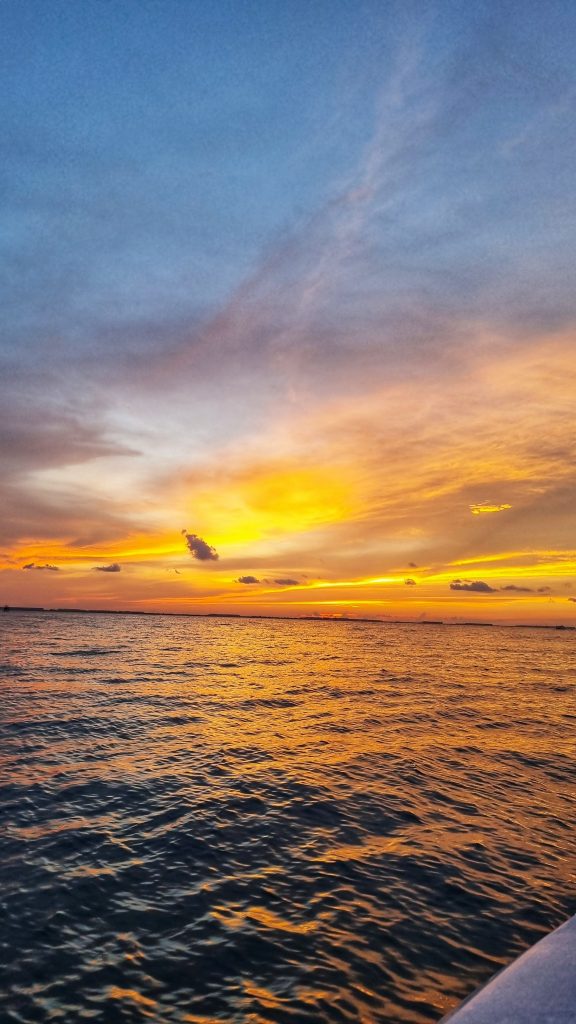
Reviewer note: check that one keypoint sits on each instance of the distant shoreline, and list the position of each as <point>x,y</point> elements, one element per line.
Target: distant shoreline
<point>285,618</point>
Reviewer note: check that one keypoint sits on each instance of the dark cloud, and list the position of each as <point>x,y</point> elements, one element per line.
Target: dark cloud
<point>247,579</point>
<point>199,549</point>
<point>412,565</point>
<point>40,433</point>
<point>477,587</point>
<point>51,568</point>
<point>410,583</point>
<point>107,568</point>
<point>527,590</point>
<point>87,518</point>
<point>572,599</point>
<point>286,583</point>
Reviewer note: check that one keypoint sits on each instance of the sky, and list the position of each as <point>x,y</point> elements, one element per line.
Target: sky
<point>288,307</point>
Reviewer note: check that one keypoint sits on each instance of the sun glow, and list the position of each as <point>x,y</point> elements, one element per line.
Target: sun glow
<point>246,508</point>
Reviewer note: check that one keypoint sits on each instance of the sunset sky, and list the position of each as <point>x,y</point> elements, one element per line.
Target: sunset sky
<point>289,307</point>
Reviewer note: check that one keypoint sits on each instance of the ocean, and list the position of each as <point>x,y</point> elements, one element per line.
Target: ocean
<point>250,820</point>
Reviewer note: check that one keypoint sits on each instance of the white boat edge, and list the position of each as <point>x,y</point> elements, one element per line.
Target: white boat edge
<point>539,987</point>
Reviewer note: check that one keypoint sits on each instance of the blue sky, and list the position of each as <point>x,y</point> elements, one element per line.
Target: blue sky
<point>155,149</point>
<point>167,143</point>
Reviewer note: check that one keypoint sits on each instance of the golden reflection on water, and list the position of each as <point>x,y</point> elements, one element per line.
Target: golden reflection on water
<point>239,918</point>
<point>281,822</point>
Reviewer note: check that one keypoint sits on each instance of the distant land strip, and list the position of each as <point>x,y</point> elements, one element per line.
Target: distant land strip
<point>285,618</point>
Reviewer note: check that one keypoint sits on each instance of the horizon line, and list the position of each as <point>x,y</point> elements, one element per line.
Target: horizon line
<point>290,618</point>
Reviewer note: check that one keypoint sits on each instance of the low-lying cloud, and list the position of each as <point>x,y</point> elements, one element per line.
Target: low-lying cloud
<point>199,549</point>
<point>476,587</point>
<point>286,583</point>
<point>527,590</point>
<point>247,579</point>
<point>107,568</point>
<point>479,587</point>
<point>50,568</point>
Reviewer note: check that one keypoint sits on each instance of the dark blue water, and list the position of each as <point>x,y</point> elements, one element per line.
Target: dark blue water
<point>265,821</point>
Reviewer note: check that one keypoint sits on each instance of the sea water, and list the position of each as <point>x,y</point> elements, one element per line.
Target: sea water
<point>219,819</point>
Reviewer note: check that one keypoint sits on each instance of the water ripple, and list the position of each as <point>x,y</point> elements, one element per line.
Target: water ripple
<point>276,822</point>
